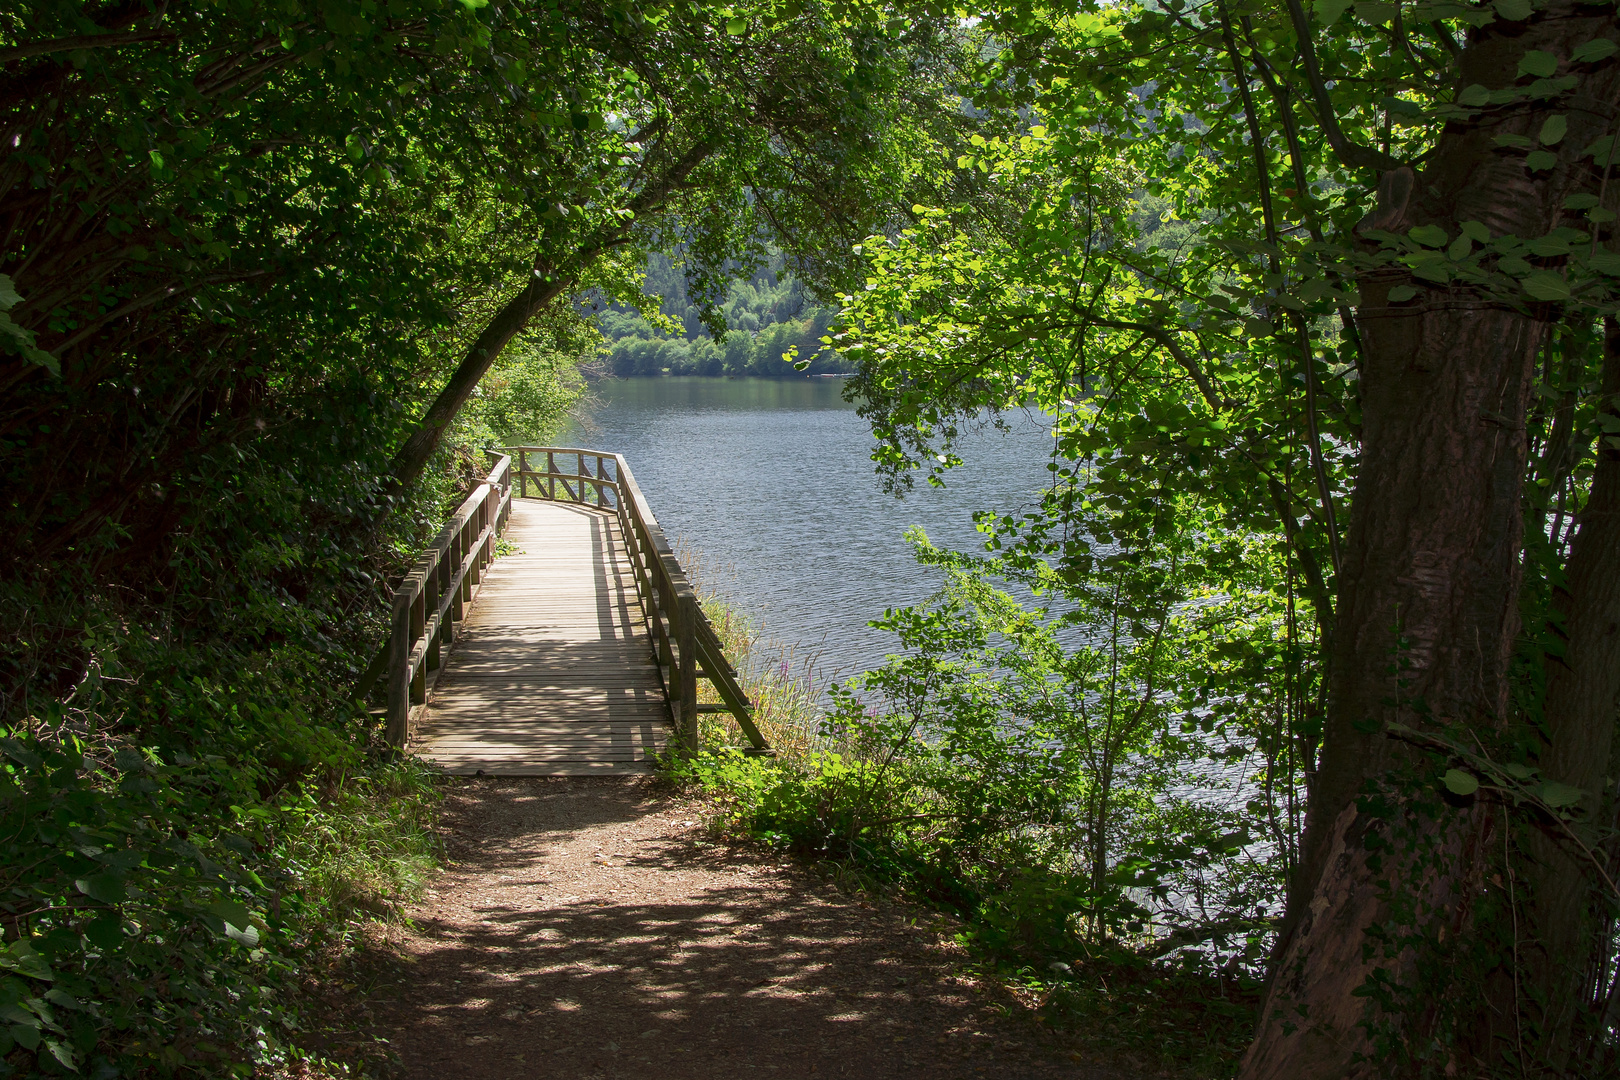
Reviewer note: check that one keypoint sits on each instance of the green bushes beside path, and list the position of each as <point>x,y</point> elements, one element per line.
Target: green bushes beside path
<point>1104,855</point>
<point>159,904</point>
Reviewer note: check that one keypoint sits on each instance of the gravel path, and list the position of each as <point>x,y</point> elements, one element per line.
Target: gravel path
<point>587,928</point>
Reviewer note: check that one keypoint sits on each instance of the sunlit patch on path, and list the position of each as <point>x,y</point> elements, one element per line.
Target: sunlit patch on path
<point>588,929</point>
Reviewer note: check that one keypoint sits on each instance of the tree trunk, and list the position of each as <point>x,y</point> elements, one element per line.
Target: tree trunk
<point>511,320</point>
<point>507,324</point>
<point>1427,613</point>
<point>1428,593</point>
<point>1582,688</point>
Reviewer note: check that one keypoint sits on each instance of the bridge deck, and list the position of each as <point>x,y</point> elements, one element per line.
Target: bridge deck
<point>552,673</point>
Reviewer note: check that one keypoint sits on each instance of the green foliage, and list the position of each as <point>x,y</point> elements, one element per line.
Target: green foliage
<point>135,939</point>
<point>246,245</point>
<point>772,326</point>
<point>1100,792</point>
<point>157,906</point>
<point>527,394</point>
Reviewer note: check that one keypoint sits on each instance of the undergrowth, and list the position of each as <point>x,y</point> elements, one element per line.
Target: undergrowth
<point>844,816</point>
<point>973,818</point>
<point>202,818</point>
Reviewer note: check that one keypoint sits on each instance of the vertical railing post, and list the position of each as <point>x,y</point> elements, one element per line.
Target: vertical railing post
<point>523,469</point>
<point>458,555</point>
<point>418,624</point>
<point>686,720</point>
<point>430,606</point>
<point>399,675</point>
<point>475,570</point>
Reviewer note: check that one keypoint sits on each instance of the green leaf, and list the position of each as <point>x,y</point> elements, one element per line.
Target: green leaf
<point>1476,232</point>
<point>1474,95</point>
<point>1605,262</point>
<point>1513,10</point>
<point>1329,12</point>
<point>1583,201</point>
<point>1548,247</point>
<point>106,888</point>
<point>1460,783</point>
<point>1375,11</point>
<point>20,957</point>
<point>1433,270</point>
<point>247,935</point>
<point>106,933</point>
<point>1460,249</point>
<point>27,1037</point>
<point>1557,795</point>
<point>1540,64</point>
<point>9,298</point>
<point>238,921</point>
<point>1599,150</point>
<point>1553,129</point>
<point>1518,142</point>
<point>1546,285</point>
<point>1400,293</point>
<point>474,5</point>
<point>1589,52</point>
<point>21,340</point>
<point>60,1051</point>
<point>1538,160</point>
<point>1430,236</point>
<point>737,26</point>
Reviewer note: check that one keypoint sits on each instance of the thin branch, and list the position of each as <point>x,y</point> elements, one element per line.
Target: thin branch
<point>84,41</point>
<point>1352,154</point>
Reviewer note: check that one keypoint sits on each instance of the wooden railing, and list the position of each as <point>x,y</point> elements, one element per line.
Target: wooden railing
<point>685,644</point>
<point>435,594</point>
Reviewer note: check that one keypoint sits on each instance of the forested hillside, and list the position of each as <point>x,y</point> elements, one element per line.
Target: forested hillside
<point>771,328</point>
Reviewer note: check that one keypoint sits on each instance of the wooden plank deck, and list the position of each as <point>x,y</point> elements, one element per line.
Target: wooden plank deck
<point>552,673</point>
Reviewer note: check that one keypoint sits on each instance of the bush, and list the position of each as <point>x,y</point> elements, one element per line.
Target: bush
<point>157,906</point>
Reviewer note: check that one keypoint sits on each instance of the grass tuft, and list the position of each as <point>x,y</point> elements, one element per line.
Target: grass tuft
<point>361,848</point>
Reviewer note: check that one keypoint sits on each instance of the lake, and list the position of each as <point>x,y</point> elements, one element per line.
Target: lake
<point>770,484</point>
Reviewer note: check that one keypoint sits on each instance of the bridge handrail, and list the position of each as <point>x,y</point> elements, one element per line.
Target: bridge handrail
<point>434,595</point>
<point>685,643</point>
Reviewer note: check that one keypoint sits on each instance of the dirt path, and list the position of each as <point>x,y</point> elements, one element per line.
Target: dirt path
<point>587,929</point>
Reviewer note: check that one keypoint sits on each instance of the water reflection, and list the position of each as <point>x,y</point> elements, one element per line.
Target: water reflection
<point>771,483</point>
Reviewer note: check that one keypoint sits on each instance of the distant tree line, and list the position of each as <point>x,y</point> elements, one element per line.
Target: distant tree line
<point>772,324</point>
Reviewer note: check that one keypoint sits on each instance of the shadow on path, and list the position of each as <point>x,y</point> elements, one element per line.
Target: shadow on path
<point>586,929</point>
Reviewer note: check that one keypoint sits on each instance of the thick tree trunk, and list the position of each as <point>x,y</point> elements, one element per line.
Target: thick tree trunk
<point>507,324</point>
<point>1582,688</point>
<point>1428,593</point>
<point>1426,620</point>
<point>511,320</point>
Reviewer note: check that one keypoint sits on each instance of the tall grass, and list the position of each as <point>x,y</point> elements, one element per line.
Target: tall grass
<point>779,680</point>
<point>361,847</point>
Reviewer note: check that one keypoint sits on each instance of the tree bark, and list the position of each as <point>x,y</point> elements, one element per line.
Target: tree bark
<point>507,324</point>
<point>1583,686</point>
<point>1427,613</point>
<point>510,321</point>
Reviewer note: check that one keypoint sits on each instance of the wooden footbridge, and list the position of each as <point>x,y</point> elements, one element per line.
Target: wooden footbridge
<point>577,651</point>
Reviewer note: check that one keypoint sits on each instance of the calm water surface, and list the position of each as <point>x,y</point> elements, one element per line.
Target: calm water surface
<point>770,482</point>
